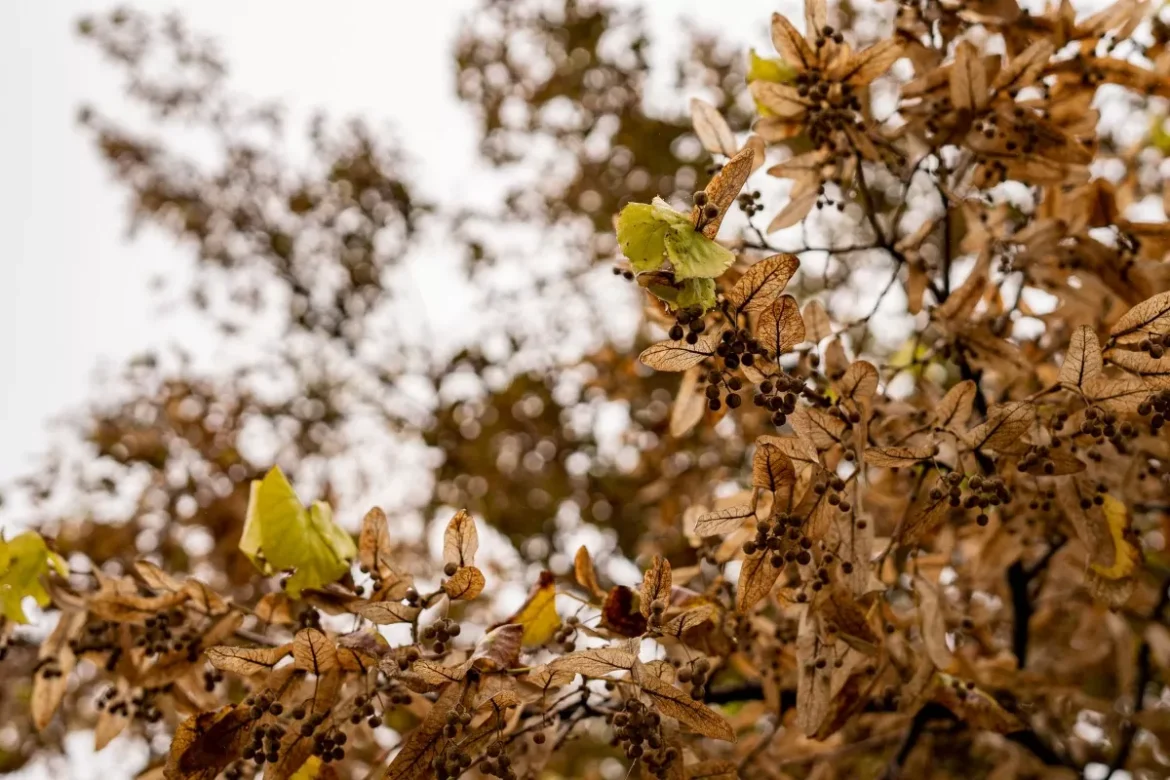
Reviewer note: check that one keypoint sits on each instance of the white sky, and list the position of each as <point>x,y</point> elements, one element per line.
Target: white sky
<point>73,291</point>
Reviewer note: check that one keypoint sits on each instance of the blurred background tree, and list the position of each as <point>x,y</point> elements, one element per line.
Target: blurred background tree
<point>535,416</point>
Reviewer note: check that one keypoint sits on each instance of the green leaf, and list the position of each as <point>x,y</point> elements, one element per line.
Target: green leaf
<point>774,70</point>
<point>281,534</point>
<point>642,229</point>
<point>696,292</point>
<point>694,256</point>
<point>23,561</point>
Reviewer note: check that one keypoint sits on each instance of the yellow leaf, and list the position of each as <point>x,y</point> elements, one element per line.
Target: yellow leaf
<point>539,615</point>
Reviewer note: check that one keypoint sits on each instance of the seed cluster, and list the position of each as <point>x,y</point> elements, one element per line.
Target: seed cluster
<point>638,731</point>
<point>439,634</point>
<point>566,635</point>
<point>497,763</point>
<point>697,674</point>
<point>1158,405</point>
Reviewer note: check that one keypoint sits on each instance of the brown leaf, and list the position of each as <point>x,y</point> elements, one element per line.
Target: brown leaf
<point>954,410</point>
<point>800,451</point>
<point>723,521</point>
<point>1082,361</point>
<point>620,615</point>
<point>968,79</point>
<point>677,355</point>
<point>436,674</point>
<point>460,540</point>
<point>867,65</point>
<point>465,584</point>
<point>714,769</point>
<point>712,129</point>
<point>422,744</point>
<point>597,661</point>
<point>689,405</point>
<point>130,608</point>
<point>1006,423</point>
<point>1118,395</point>
<point>247,660</point>
<point>763,283</point>
<point>1155,372</point>
<point>791,44</point>
<point>112,720</point>
<point>387,613</point>
<point>655,584</point>
<point>818,427</point>
<point>897,457</point>
<point>757,575</point>
<point>1150,317</point>
<point>314,652</point>
<point>585,574</point>
<point>695,715</point>
<point>692,618</point>
<point>962,302</point>
<point>724,187</point>
<point>933,624</point>
<point>499,648</point>
<point>817,324</point>
<point>860,382</point>
<point>155,578</point>
<point>773,471</point>
<point>274,608</point>
<point>207,742</point>
<point>974,706</point>
<point>796,209</point>
<point>814,679</point>
<point>374,540</point>
<point>781,327</point>
<point>57,660</point>
<point>926,514</point>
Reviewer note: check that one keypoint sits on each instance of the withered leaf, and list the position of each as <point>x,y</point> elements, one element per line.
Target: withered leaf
<point>247,660</point>
<point>926,514</point>
<point>973,705</point>
<point>781,327</point>
<point>860,382</point>
<point>692,618</point>
<point>896,457</point>
<point>817,324</point>
<point>51,680</point>
<point>387,613</point>
<point>538,614</point>
<point>723,521</point>
<point>585,574</point>
<point>1082,361</point>
<point>499,648</point>
<point>1118,395</point>
<point>460,540</point>
<point>436,673</point>
<point>465,584</point>
<point>314,652</point>
<point>817,427</point>
<point>153,576</point>
<point>796,210</point>
<point>113,720</point>
<point>763,283</point>
<point>790,43</point>
<point>597,661</point>
<point>656,584</point>
<point>130,608</point>
<point>207,742</point>
<point>677,355</point>
<point>695,715</point>
<point>1154,372</point>
<point>968,79</point>
<point>1005,425</point>
<point>715,769</point>
<point>757,575</point>
<point>422,744</point>
<point>374,541</point>
<point>954,410</point>
<point>620,614</point>
<point>1150,317</point>
<point>724,187</point>
<point>689,405</point>
<point>773,471</point>
<point>712,129</point>
<point>933,624</point>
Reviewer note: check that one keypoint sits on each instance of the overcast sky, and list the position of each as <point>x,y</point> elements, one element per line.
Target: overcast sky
<point>74,292</point>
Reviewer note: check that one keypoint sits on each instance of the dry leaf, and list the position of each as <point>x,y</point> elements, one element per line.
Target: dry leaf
<point>1149,318</point>
<point>695,715</point>
<point>712,129</point>
<point>247,660</point>
<point>460,540</point>
<point>689,405</point>
<point>465,584</point>
<point>1082,361</point>
<point>723,521</point>
<point>763,283</point>
<point>585,574</point>
<point>780,327</point>
<point>314,652</point>
<point>677,355</point>
<point>656,584</point>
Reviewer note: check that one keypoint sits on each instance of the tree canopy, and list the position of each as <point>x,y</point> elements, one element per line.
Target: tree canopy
<point>811,427</point>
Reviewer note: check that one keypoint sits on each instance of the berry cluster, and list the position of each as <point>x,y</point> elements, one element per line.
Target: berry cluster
<point>638,730</point>
<point>159,638</point>
<point>779,394</point>
<point>364,708</point>
<point>261,703</point>
<point>566,635</point>
<point>409,656</point>
<point>439,633</point>
<point>749,203</point>
<point>265,745</point>
<point>782,537</point>
<point>497,763</point>
<point>697,674</point>
<point>329,745</point>
<point>309,618</point>
<point>694,324</point>
<point>738,347</point>
<point>657,610</point>
<point>983,492</point>
<point>718,384</point>
<point>707,210</point>
<point>211,678</point>
<point>1159,405</point>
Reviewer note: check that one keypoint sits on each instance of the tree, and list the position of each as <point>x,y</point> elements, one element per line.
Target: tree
<point>895,441</point>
